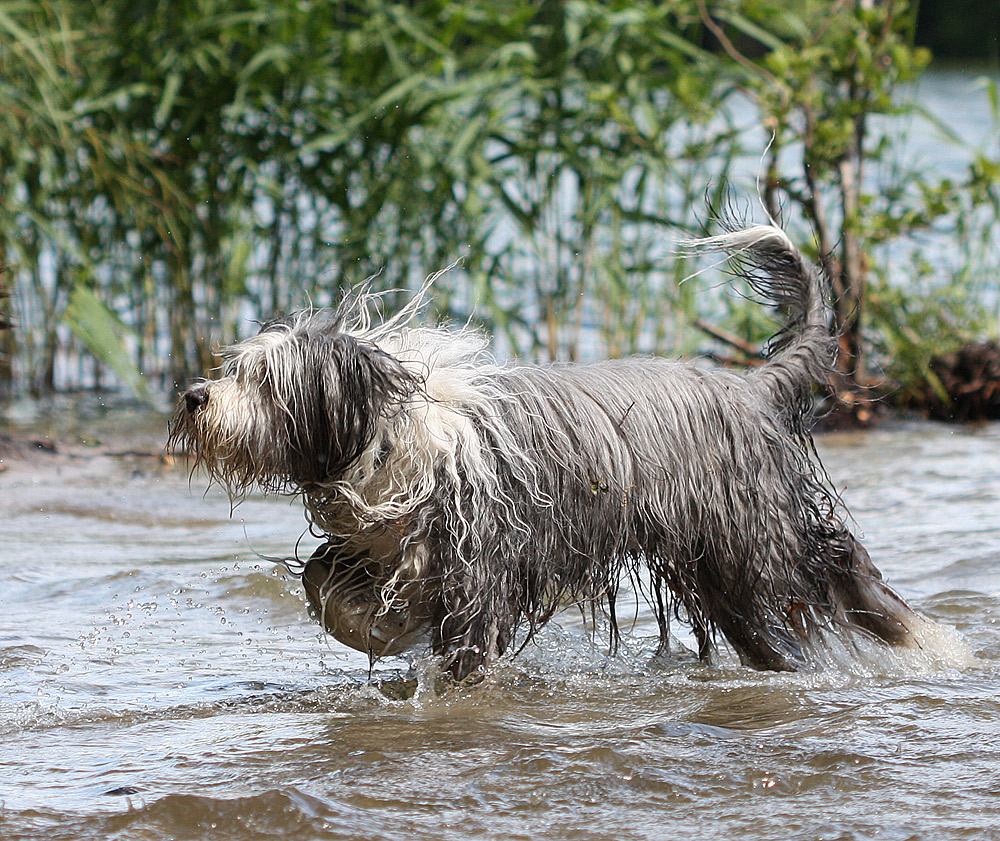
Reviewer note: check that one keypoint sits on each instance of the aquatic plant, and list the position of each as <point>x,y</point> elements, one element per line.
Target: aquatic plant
<point>185,168</point>
<point>829,85</point>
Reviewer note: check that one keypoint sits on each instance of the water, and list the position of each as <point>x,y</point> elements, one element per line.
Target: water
<point>160,679</point>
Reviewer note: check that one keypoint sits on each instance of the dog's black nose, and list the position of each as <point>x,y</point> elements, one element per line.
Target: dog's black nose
<point>195,399</point>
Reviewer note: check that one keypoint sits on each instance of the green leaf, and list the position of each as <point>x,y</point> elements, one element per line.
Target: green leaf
<point>102,333</point>
<point>170,88</point>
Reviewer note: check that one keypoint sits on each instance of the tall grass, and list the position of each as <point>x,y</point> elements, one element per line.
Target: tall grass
<point>171,170</point>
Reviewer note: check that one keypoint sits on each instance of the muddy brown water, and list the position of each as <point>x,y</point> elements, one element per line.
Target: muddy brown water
<point>159,678</point>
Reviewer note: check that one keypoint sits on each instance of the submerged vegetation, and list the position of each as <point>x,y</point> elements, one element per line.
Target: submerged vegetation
<point>171,171</point>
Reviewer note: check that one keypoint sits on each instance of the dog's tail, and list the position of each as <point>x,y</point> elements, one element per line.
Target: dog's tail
<point>803,352</point>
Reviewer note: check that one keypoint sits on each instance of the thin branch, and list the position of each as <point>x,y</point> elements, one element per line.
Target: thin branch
<point>736,55</point>
<point>728,338</point>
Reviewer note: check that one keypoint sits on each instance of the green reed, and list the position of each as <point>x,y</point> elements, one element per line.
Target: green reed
<point>170,171</point>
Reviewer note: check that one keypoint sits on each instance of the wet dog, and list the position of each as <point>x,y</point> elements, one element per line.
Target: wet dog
<point>466,502</point>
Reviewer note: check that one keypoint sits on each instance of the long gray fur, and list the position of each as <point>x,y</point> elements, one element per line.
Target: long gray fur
<point>472,501</point>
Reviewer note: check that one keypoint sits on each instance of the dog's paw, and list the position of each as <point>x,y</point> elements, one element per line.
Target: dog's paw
<point>344,597</point>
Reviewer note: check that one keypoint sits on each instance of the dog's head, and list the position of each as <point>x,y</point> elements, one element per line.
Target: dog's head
<point>298,404</point>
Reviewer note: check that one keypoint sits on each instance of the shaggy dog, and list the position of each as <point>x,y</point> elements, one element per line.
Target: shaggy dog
<point>467,501</point>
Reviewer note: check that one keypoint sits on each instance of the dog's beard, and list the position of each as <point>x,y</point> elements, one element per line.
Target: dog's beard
<point>234,438</point>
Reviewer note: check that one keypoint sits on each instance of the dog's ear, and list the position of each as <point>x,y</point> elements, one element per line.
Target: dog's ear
<point>348,386</point>
<point>367,371</point>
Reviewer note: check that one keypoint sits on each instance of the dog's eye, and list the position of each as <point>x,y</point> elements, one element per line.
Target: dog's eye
<point>244,367</point>
<point>228,357</point>
<point>236,368</point>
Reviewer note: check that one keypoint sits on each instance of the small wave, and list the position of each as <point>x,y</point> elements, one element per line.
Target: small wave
<point>287,813</point>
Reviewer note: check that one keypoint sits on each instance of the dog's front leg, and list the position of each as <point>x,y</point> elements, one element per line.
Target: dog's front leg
<point>477,649</point>
<point>470,634</point>
<point>345,596</point>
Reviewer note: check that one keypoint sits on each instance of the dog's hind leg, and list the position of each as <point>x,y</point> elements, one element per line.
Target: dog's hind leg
<point>760,640</point>
<point>863,600</point>
<point>777,649</point>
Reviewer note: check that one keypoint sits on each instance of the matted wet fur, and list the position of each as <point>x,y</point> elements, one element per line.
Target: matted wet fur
<point>469,501</point>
